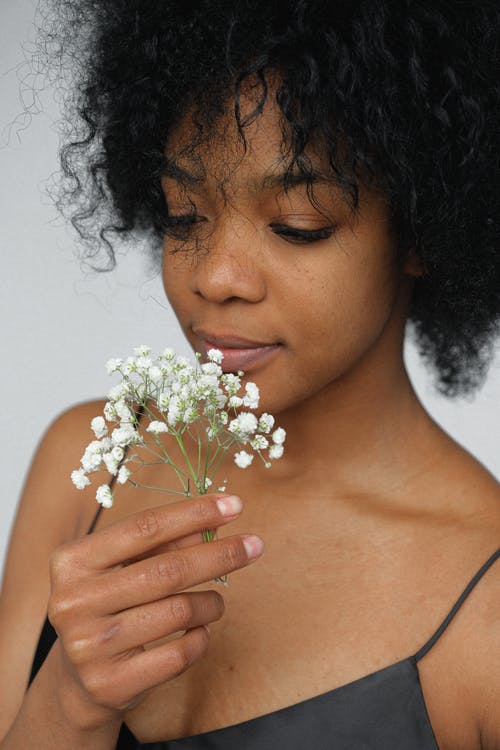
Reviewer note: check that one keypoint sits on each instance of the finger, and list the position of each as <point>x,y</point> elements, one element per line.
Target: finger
<point>142,532</point>
<point>160,576</point>
<point>154,666</point>
<point>148,623</point>
<point>186,541</point>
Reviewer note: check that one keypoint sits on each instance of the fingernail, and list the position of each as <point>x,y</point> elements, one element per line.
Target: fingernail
<point>230,506</point>
<point>253,545</point>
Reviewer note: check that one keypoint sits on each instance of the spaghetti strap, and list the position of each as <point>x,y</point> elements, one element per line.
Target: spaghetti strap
<point>432,640</point>
<point>90,529</point>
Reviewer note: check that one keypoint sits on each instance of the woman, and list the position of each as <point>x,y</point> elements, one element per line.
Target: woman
<point>315,178</point>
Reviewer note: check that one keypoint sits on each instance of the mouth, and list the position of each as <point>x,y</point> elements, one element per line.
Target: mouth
<point>238,353</point>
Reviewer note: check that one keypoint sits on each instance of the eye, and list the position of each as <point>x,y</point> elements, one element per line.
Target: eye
<point>179,227</point>
<point>302,236</point>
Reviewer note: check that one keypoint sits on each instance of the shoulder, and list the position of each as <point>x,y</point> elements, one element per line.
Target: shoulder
<point>50,507</point>
<point>48,489</point>
<point>460,675</point>
<point>480,656</point>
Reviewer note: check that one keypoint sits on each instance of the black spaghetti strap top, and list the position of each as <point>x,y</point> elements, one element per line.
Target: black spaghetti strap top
<point>384,710</point>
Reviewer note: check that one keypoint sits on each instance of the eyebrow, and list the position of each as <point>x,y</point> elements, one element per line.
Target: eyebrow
<point>269,181</point>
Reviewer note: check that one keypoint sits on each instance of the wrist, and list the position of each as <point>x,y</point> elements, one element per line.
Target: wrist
<point>73,705</point>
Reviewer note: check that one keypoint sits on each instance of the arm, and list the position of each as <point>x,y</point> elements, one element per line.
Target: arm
<point>109,594</point>
<point>47,516</point>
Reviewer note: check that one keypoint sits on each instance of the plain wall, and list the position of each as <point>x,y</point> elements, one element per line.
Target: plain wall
<point>60,325</point>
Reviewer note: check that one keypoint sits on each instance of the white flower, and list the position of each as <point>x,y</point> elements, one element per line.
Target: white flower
<point>118,392</point>
<point>98,426</point>
<point>142,351</point>
<point>174,410</point>
<point>130,366</point>
<point>110,462</point>
<point>190,415</point>
<point>279,436</point>
<point>92,457</point>
<point>124,411</point>
<point>251,399</point>
<point>109,411</point>
<point>214,355</point>
<point>243,459</point>
<point>259,443</point>
<point>125,435</point>
<point>231,383</point>
<point>211,368</point>
<point>157,427</point>
<point>117,453</point>
<point>275,451</point>
<point>104,496</point>
<point>212,431</point>
<point>244,424</point>
<point>184,394</point>
<point>79,479</point>
<point>155,374</point>
<point>123,475</point>
<point>248,422</point>
<point>112,365</point>
<point>163,401</point>
<point>143,364</point>
<point>266,423</point>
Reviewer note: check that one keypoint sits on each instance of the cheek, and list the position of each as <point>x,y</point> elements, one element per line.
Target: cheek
<point>175,276</point>
<point>343,309</point>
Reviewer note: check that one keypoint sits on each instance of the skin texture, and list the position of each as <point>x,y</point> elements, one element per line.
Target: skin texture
<point>337,306</point>
<point>372,503</point>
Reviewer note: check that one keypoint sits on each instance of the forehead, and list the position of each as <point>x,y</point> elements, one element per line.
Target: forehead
<point>195,155</point>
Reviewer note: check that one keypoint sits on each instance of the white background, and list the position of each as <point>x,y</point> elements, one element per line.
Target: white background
<point>59,324</point>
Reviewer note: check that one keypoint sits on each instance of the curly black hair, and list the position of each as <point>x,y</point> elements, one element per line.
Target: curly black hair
<point>405,91</point>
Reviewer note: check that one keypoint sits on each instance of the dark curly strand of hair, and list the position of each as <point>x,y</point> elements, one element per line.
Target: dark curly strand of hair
<point>405,91</point>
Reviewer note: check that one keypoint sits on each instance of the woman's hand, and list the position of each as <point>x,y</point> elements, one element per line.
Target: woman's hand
<point>122,587</point>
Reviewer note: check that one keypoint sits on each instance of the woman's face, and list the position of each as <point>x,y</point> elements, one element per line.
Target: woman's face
<point>314,312</point>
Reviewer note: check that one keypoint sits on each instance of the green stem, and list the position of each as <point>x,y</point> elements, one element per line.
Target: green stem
<point>186,458</point>
<point>223,453</point>
<point>156,489</point>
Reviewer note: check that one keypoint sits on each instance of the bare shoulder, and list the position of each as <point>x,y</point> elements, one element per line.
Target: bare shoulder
<point>49,497</point>
<point>50,512</point>
<point>483,654</point>
<point>478,629</point>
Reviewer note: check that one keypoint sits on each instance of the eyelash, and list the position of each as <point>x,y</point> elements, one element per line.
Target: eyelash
<point>177,226</point>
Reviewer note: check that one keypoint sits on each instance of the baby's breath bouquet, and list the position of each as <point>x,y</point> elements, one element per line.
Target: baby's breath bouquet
<point>195,402</point>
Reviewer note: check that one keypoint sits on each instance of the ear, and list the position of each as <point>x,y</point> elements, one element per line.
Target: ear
<point>413,265</point>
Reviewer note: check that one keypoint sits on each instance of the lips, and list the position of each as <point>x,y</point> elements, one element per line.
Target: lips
<point>239,353</point>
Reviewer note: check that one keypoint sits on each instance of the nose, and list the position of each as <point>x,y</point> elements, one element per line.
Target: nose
<point>229,267</point>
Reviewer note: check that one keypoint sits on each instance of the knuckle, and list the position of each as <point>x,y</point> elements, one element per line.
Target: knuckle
<point>147,524</point>
<point>182,610</point>
<point>179,659</point>
<point>203,511</point>
<point>171,567</point>
<point>60,560</point>
<point>96,684</point>
<point>218,603</point>
<point>78,649</point>
<point>233,554</point>
<point>59,608</point>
